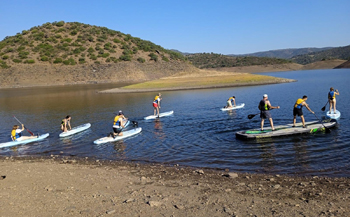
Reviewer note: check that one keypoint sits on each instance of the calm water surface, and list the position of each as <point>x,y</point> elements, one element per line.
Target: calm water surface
<point>198,134</point>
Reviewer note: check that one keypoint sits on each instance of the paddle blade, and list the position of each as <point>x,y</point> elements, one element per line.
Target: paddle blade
<point>327,130</point>
<point>323,108</point>
<point>251,116</point>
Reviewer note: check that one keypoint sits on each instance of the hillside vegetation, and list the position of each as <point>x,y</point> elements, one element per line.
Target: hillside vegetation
<point>342,53</point>
<point>284,53</point>
<point>212,60</point>
<point>74,43</point>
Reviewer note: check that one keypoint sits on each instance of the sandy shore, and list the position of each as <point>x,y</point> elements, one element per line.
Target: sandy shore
<point>70,187</point>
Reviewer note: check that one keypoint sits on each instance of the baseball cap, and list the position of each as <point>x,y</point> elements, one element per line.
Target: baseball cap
<point>265,95</point>
<point>120,112</point>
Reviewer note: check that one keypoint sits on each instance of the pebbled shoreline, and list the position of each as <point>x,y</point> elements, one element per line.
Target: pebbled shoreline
<point>56,186</point>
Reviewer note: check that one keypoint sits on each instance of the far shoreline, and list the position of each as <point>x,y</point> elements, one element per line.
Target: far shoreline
<point>143,90</point>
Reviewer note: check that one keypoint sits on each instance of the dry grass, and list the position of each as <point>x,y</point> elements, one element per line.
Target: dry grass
<point>209,80</point>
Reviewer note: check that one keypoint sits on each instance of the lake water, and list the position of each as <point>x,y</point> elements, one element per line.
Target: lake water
<point>198,134</point>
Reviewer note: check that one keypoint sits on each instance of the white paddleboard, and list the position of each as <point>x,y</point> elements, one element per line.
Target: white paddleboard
<point>75,130</point>
<point>126,134</point>
<point>160,115</point>
<point>238,106</point>
<point>13,143</point>
<point>333,115</point>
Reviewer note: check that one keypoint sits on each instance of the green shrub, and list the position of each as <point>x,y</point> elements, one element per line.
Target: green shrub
<point>8,50</point>
<point>81,60</point>
<point>74,32</point>
<point>116,40</point>
<point>5,57</point>
<point>97,62</point>
<point>125,57</point>
<point>69,40</point>
<point>23,54</point>
<point>100,39</point>
<point>108,60</point>
<point>4,65</point>
<point>141,60</point>
<point>90,50</point>
<point>153,57</point>
<point>21,48</point>
<point>24,32</point>
<point>58,60</point>
<point>93,57</point>
<point>44,58</point>
<point>90,39</point>
<point>59,24</point>
<point>164,58</point>
<point>105,55</point>
<point>58,36</point>
<point>30,61</point>
<point>17,60</point>
<point>70,61</point>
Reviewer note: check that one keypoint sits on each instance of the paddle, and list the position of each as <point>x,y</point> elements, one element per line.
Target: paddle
<point>24,126</point>
<point>252,115</point>
<point>327,129</point>
<point>324,107</point>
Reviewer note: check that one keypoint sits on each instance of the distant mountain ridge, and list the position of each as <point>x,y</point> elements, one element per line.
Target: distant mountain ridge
<point>284,53</point>
<point>342,53</point>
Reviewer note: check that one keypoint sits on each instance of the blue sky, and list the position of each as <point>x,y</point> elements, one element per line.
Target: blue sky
<point>219,26</point>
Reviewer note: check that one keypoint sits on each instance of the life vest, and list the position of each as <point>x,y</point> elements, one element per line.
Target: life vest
<point>263,105</point>
<point>116,120</point>
<point>231,98</point>
<point>15,135</point>
<point>331,95</point>
<point>156,99</point>
<point>299,103</point>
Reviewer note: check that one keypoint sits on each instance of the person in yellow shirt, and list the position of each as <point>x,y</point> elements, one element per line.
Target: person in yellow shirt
<point>156,104</point>
<point>119,124</point>
<point>229,102</point>
<point>297,110</point>
<point>16,134</point>
<point>331,99</point>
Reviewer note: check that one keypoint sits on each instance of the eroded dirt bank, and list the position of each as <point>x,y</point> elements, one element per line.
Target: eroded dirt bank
<point>69,187</point>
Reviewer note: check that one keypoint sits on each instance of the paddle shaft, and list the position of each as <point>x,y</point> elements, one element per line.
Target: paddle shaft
<point>327,129</point>
<point>24,126</point>
<point>324,107</point>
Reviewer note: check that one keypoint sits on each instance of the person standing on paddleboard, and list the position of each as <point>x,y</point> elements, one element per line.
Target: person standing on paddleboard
<point>331,99</point>
<point>264,107</point>
<point>229,102</point>
<point>65,122</point>
<point>156,104</point>
<point>119,124</point>
<point>297,110</point>
<point>16,134</point>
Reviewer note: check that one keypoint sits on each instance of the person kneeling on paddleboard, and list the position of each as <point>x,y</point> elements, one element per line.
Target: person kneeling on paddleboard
<point>65,122</point>
<point>229,102</point>
<point>264,107</point>
<point>297,110</point>
<point>119,124</point>
<point>16,134</point>
<point>331,99</point>
<point>156,104</point>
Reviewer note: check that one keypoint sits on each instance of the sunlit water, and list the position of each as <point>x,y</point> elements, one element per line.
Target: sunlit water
<point>198,134</point>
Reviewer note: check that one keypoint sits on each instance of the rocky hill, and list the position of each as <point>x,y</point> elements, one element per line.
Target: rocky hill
<point>344,65</point>
<point>62,53</point>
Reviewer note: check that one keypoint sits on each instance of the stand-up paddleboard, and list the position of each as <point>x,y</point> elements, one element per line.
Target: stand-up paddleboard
<point>238,106</point>
<point>333,115</point>
<point>14,143</point>
<point>126,134</point>
<point>160,115</point>
<point>287,130</point>
<point>75,130</point>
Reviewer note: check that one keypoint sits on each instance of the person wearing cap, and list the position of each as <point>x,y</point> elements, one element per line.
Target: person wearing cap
<point>156,104</point>
<point>264,107</point>
<point>331,99</point>
<point>119,124</point>
<point>297,110</point>
<point>229,102</point>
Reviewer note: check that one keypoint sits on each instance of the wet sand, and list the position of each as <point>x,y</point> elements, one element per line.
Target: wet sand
<point>71,187</point>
